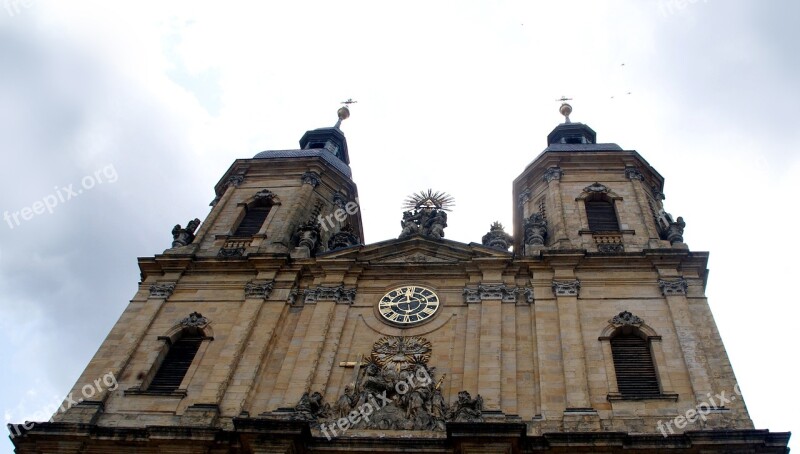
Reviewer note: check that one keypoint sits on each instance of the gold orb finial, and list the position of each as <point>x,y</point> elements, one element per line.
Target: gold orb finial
<point>565,108</point>
<point>343,113</point>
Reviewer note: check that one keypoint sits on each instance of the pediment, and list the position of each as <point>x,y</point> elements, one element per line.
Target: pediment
<point>417,250</point>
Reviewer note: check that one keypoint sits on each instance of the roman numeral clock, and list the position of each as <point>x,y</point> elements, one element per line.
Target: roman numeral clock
<point>408,305</point>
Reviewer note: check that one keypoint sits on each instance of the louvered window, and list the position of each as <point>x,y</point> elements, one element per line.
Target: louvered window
<point>175,365</point>
<point>636,374</point>
<point>252,222</point>
<point>602,217</point>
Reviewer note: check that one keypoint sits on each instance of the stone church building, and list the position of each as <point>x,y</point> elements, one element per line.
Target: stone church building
<point>271,327</point>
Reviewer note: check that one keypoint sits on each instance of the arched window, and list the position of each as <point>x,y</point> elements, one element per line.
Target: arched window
<point>176,363</point>
<point>633,363</point>
<point>601,215</point>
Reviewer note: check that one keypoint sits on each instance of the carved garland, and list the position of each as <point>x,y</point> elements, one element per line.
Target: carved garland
<point>490,292</point>
<point>338,294</point>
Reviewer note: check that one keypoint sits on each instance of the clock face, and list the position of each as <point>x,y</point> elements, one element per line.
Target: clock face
<point>408,305</point>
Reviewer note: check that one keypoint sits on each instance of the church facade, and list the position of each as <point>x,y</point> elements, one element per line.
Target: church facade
<point>273,328</point>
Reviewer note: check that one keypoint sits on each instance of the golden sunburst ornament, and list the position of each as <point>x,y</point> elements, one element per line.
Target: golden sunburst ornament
<point>429,199</point>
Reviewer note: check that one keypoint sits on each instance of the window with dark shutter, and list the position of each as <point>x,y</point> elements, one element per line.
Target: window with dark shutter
<point>636,373</point>
<point>252,222</point>
<point>175,365</point>
<point>601,215</point>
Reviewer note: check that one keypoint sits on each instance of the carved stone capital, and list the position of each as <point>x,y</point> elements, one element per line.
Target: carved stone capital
<point>657,194</point>
<point>234,180</point>
<point>339,201</point>
<point>161,290</point>
<point>625,318</point>
<point>552,173</point>
<point>632,173</point>
<point>490,292</point>
<point>524,197</point>
<point>194,320</point>
<point>311,178</point>
<point>258,289</point>
<point>338,294</point>
<point>673,286</point>
<point>566,288</point>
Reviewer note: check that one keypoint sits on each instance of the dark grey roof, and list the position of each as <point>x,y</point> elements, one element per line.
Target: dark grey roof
<point>583,147</point>
<point>326,155</point>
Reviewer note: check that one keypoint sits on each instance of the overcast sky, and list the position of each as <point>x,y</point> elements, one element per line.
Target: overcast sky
<point>143,106</point>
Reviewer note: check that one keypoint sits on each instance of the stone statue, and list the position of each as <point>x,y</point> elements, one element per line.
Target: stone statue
<point>345,403</point>
<point>182,237</point>
<point>428,222</point>
<point>409,224</point>
<point>467,409</point>
<point>497,238</point>
<point>312,407</point>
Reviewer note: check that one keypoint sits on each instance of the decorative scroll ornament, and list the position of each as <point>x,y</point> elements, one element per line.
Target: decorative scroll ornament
<point>490,292</point>
<point>625,318</point>
<point>182,237</point>
<point>552,173</point>
<point>399,391</point>
<point>194,320</point>
<point>338,294</point>
<point>343,238</point>
<point>524,197</point>
<point>497,238</point>
<point>610,248</point>
<point>567,288</point>
<point>632,173</point>
<point>596,188</point>
<point>673,286</point>
<point>258,289</point>
<point>291,299</point>
<point>535,230</point>
<point>161,290</point>
<point>311,178</point>
<point>528,295</point>
<point>264,195</point>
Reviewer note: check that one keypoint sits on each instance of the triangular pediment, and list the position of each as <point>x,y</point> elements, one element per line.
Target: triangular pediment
<point>416,250</point>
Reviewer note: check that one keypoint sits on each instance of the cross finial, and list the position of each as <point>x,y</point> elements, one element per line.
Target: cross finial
<point>565,108</point>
